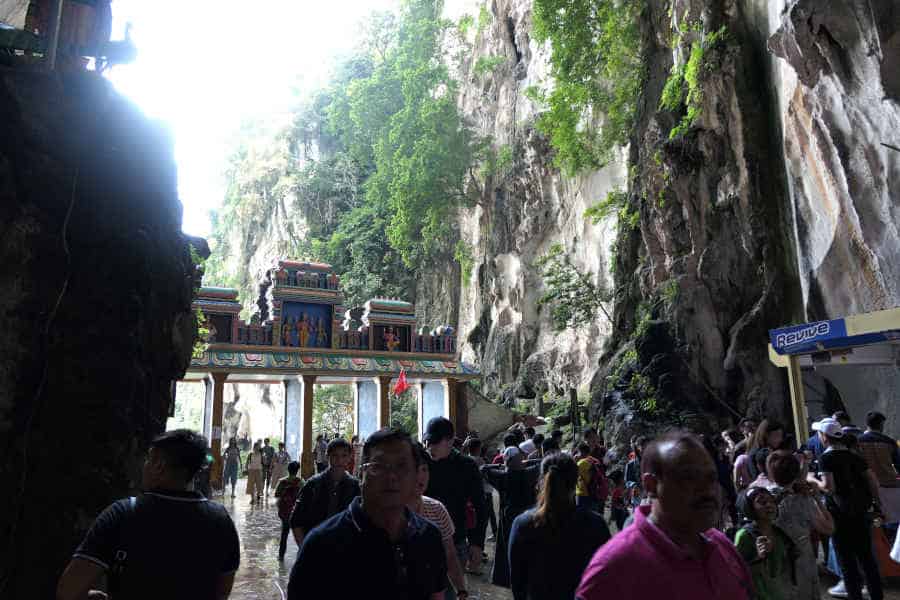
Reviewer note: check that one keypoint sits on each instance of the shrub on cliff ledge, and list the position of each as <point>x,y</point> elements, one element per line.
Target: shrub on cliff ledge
<point>598,70</point>
<point>571,294</point>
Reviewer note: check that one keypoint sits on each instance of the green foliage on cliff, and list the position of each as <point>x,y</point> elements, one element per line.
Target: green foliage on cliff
<point>598,70</point>
<point>682,91</point>
<point>615,203</point>
<point>487,64</point>
<point>573,297</point>
<point>376,163</point>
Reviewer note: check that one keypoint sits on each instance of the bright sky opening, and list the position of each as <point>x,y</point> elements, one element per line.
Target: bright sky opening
<point>205,66</point>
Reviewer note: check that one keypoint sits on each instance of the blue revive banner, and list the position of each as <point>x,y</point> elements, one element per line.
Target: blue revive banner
<point>809,337</point>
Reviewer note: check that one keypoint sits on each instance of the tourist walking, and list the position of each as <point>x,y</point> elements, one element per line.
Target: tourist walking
<point>355,456</point>
<point>377,547</point>
<point>633,471</point>
<point>800,514</point>
<point>435,512</point>
<point>456,482</point>
<point>618,511</point>
<point>854,497</point>
<point>473,447</point>
<point>232,456</point>
<point>321,453</point>
<point>279,464</point>
<point>518,493</point>
<point>286,491</point>
<point>883,457</point>
<point>768,550</point>
<point>769,435</point>
<point>255,473</point>
<point>168,543</point>
<point>268,456</point>
<point>588,472</point>
<point>672,550</point>
<point>327,493</point>
<point>551,544</point>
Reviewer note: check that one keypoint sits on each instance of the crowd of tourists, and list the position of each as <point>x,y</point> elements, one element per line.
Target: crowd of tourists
<point>741,515</point>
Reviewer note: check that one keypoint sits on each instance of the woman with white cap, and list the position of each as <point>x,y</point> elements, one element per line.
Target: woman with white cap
<point>853,493</point>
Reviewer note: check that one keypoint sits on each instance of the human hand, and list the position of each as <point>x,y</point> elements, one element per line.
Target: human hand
<point>764,546</point>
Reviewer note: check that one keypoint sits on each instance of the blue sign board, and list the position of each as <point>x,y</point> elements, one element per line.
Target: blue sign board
<point>824,335</point>
<point>809,337</point>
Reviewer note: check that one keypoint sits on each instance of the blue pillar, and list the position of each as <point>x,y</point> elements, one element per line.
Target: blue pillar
<point>365,408</point>
<point>432,403</point>
<point>293,398</point>
<point>207,408</point>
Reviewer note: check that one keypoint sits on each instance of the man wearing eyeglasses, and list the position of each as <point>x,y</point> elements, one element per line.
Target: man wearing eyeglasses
<point>394,552</point>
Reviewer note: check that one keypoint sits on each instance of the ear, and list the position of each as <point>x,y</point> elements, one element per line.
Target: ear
<point>650,482</point>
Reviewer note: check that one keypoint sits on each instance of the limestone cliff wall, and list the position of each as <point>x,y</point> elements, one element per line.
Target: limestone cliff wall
<point>96,281</point>
<point>524,209</point>
<point>779,205</point>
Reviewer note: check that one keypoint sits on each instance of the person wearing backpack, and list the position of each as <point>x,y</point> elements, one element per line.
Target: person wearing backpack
<point>853,498</point>
<point>286,491</point>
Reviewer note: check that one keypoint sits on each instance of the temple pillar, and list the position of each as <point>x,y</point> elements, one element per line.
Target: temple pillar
<point>459,409</point>
<point>433,402</point>
<point>207,407</point>
<point>420,409</point>
<point>384,401</point>
<point>215,440</point>
<point>293,401</point>
<point>365,408</point>
<point>307,460</point>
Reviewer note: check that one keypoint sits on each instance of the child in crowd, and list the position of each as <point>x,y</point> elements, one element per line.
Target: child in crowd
<point>768,550</point>
<point>618,511</point>
<point>286,491</point>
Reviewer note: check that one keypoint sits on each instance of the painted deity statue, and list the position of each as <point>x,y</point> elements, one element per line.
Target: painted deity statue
<point>303,331</point>
<point>281,276</point>
<point>391,341</point>
<point>322,335</point>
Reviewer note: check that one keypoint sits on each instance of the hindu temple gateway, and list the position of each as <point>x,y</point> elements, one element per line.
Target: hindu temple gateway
<point>302,334</point>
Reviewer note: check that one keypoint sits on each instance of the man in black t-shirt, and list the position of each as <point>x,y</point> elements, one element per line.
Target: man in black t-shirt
<point>853,492</point>
<point>325,494</point>
<point>169,543</point>
<point>376,548</point>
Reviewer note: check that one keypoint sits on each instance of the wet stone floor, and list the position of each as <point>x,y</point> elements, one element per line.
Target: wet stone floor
<point>262,577</point>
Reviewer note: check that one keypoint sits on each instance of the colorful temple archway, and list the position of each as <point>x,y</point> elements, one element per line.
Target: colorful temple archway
<point>302,334</point>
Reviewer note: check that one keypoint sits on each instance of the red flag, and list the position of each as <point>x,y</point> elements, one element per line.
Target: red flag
<point>401,385</point>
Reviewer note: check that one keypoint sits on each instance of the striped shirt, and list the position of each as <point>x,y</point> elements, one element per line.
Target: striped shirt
<point>434,511</point>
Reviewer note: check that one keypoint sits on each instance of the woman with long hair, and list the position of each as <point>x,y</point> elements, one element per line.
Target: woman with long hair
<point>551,544</point>
<point>769,435</point>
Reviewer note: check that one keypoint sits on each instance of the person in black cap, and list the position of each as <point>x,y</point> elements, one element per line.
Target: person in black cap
<point>456,481</point>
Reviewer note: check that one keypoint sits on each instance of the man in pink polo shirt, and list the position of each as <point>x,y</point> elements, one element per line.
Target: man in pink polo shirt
<point>672,550</point>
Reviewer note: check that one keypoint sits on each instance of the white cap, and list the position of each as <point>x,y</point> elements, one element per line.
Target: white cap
<point>829,427</point>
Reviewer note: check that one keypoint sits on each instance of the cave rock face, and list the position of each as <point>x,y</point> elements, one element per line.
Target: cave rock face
<point>837,73</point>
<point>838,78</point>
<point>523,210</point>
<point>97,282</point>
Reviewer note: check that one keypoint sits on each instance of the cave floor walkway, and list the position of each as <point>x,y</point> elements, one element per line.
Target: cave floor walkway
<point>262,577</point>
